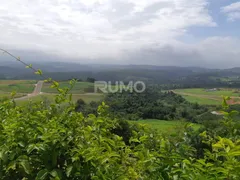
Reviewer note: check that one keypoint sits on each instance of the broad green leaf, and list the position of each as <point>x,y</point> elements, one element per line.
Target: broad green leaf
<point>143,138</point>
<point>22,144</point>
<point>29,66</point>
<point>57,174</point>
<point>11,166</point>
<point>69,170</point>
<point>217,146</point>
<point>233,113</point>
<point>42,174</point>
<point>39,72</point>
<point>31,148</point>
<point>26,166</point>
<point>235,153</point>
<point>13,93</point>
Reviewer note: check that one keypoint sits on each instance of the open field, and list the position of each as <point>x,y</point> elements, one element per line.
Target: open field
<point>50,97</point>
<point>25,87</point>
<point>8,95</point>
<point>80,87</point>
<point>165,126</point>
<point>202,100</point>
<point>201,91</point>
<point>205,97</point>
<point>4,94</point>
<point>20,86</point>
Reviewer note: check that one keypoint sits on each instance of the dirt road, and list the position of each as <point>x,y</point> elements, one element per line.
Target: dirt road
<point>38,88</point>
<point>37,91</point>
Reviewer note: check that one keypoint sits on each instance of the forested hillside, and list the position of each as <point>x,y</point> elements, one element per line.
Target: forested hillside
<point>168,77</point>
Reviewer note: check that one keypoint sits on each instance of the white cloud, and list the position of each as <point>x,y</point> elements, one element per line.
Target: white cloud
<point>97,28</point>
<point>232,11</point>
<point>118,31</point>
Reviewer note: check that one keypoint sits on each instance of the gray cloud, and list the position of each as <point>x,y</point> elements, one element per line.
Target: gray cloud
<point>215,52</point>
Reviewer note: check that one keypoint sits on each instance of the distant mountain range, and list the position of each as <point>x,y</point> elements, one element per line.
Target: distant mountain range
<point>152,74</point>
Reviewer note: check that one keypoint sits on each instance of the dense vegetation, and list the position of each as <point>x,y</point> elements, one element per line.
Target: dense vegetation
<point>151,104</point>
<point>40,141</point>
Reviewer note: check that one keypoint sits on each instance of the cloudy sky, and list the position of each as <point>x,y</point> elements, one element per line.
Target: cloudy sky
<point>159,32</point>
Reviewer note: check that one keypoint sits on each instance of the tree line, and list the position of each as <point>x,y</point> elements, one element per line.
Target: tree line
<point>151,104</point>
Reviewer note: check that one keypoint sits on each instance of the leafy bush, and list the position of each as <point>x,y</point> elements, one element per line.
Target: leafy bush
<point>55,144</point>
<point>52,142</point>
<point>153,104</point>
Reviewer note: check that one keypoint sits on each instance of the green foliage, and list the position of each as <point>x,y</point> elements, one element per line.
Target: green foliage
<point>54,142</point>
<point>153,104</point>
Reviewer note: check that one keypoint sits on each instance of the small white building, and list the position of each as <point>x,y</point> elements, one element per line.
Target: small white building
<point>216,113</point>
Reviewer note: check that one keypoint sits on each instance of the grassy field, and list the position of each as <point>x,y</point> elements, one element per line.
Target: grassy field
<point>204,97</point>
<point>165,126</point>
<point>202,101</point>
<point>201,91</point>
<point>4,94</point>
<point>80,87</point>
<point>8,95</point>
<point>20,86</point>
<point>50,97</point>
<point>24,87</point>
